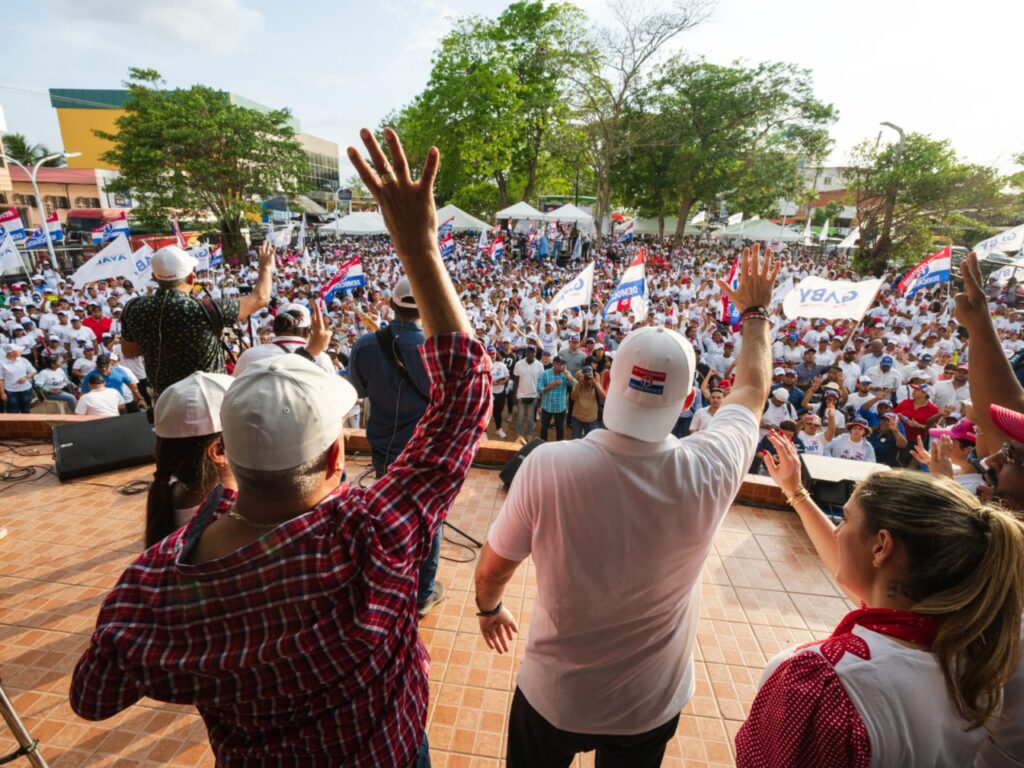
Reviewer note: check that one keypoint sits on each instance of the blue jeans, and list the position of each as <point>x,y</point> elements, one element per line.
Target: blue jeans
<point>583,428</point>
<point>526,414</point>
<point>64,397</point>
<point>423,757</point>
<point>19,402</point>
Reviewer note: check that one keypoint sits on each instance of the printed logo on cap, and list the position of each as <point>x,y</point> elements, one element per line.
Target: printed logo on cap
<point>648,382</point>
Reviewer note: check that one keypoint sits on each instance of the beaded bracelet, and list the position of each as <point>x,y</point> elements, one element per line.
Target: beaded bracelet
<point>755,310</point>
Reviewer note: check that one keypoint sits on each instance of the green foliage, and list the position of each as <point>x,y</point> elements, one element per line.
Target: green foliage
<point>826,213</point>
<point>17,147</point>
<point>702,130</point>
<point>914,186</point>
<point>495,100</point>
<point>192,151</point>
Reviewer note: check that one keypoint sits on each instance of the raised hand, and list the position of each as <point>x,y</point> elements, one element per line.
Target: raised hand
<point>920,453</point>
<point>971,304</point>
<point>266,254</point>
<point>319,330</point>
<point>942,456</point>
<point>784,466</point>
<point>755,279</point>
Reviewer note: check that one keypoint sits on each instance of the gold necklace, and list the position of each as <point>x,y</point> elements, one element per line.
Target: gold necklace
<point>247,521</point>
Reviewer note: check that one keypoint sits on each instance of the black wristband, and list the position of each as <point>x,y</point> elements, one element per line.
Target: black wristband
<point>754,310</point>
<point>493,612</point>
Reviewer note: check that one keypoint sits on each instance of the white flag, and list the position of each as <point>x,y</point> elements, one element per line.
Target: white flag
<point>575,293</point>
<point>1005,242</point>
<point>699,217</point>
<point>824,231</point>
<point>807,230</point>
<point>830,299</point>
<point>202,257</point>
<point>113,261</point>
<point>851,239</point>
<point>301,242</point>
<point>280,238</point>
<point>9,257</point>
<point>782,290</point>
<point>736,218</point>
<point>142,262</point>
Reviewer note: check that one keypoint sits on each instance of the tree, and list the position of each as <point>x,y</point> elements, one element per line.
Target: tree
<point>192,151</point>
<point>612,73</point>
<point>701,131</point>
<point>17,147</point>
<point>906,191</point>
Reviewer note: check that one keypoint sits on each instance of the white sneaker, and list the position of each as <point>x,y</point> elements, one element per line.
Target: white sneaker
<point>501,433</point>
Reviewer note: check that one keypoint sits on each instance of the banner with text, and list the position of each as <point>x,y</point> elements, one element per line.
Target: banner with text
<point>830,299</point>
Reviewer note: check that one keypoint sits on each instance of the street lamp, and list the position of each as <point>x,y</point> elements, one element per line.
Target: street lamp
<point>39,200</point>
<point>890,201</point>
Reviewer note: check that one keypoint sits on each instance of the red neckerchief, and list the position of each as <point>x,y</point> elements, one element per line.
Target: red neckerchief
<point>903,625</point>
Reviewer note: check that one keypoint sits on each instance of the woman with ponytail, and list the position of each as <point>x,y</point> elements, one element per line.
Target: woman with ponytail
<point>190,457</point>
<point>911,677</point>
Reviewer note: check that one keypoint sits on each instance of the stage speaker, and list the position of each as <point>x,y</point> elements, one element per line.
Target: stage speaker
<point>512,467</point>
<point>831,481</point>
<point>102,445</point>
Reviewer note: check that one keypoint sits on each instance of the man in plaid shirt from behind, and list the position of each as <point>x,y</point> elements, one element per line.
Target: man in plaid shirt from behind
<point>287,614</point>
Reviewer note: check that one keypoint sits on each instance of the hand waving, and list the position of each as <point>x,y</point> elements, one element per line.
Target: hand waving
<point>319,330</point>
<point>971,304</point>
<point>756,279</point>
<point>784,466</point>
<point>406,205</point>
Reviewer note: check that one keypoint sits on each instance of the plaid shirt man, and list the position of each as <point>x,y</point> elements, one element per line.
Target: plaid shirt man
<point>300,649</point>
<point>556,400</point>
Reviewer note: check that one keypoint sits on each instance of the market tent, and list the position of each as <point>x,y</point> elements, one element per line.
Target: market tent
<point>570,212</point>
<point>361,223</point>
<point>650,226</point>
<point>519,211</point>
<point>759,229</point>
<point>464,222</point>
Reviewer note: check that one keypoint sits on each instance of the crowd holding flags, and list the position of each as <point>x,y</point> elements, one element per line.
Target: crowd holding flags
<point>349,276</point>
<point>575,293</point>
<point>38,238</point>
<point>626,235</point>
<point>446,237</point>
<point>498,248</point>
<point>935,269</point>
<point>631,293</point>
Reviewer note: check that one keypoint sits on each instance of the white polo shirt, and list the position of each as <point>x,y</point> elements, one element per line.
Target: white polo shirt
<point>619,530</point>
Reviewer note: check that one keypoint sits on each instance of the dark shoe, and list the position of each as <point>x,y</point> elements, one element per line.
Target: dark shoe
<point>435,597</point>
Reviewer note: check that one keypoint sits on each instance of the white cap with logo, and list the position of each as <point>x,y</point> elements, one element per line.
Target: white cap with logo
<point>650,382</point>
<point>191,407</point>
<point>172,263</point>
<point>283,411</point>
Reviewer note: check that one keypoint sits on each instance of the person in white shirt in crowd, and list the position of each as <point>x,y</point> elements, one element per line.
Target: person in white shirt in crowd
<point>16,374</point>
<point>810,434</point>
<point>609,659</point>
<point>702,418</point>
<point>873,356</point>
<point>54,382</point>
<point>78,337</point>
<point>862,393</point>
<point>524,391</point>
<point>953,391</point>
<point>500,381</point>
<point>85,364</point>
<point>852,446</point>
<point>99,400</point>
<point>291,332</point>
<point>777,410</point>
<point>884,375</point>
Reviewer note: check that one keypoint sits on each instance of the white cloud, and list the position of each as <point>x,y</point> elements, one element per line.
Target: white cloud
<point>219,27</point>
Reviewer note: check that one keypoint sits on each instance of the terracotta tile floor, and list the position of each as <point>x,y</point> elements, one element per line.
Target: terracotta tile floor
<point>763,590</point>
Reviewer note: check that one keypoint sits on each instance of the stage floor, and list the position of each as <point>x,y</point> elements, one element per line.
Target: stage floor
<point>66,544</point>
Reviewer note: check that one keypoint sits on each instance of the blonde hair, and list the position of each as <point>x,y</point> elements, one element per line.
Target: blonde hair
<point>965,566</point>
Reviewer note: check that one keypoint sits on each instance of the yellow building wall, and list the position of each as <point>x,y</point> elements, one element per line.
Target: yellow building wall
<point>76,131</point>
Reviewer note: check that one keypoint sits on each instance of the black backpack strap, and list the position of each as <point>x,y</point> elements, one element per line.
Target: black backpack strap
<point>389,346</point>
<point>212,312</point>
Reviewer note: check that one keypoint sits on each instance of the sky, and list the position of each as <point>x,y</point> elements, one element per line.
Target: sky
<point>944,67</point>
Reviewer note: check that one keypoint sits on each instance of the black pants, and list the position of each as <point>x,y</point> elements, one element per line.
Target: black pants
<point>545,422</point>
<point>534,743</point>
<point>499,408</point>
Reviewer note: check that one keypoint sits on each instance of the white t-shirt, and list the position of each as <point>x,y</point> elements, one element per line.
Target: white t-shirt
<point>618,561</point>
<point>274,348</point>
<point>13,371</point>
<point>99,402</point>
<point>528,374</point>
<point>52,379</point>
<point>701,419</point>
<point>843,447</point>
<point>499,371</point>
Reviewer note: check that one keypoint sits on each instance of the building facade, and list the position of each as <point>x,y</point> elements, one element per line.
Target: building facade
<point>61,189</point>
<point>6,190</point>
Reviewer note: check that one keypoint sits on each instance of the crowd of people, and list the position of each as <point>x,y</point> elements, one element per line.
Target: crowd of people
<point>315,585</point>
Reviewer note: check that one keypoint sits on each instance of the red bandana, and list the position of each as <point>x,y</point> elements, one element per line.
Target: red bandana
<point>903,625</point>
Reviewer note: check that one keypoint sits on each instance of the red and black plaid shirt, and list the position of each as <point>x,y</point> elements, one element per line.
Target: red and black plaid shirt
<point>301,648</point>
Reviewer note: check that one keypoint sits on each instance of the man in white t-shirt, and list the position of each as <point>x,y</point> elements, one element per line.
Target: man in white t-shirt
<point>619,525</point>
<point>99,401</point>
<point>702,418</point>
<point>524,389</point>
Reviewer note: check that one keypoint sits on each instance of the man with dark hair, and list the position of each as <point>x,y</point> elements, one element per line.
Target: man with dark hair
<point>179,334</point>
<point>387,368</point>
<point>291,332</point>
<point>115,379</point>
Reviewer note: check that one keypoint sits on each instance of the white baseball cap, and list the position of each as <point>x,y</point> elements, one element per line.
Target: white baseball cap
<point>282,412</point>
<point>301,313</point>
<point>191,407</point>
<point>650,382</point>
<point>402,295</point>
<point>172,263</point>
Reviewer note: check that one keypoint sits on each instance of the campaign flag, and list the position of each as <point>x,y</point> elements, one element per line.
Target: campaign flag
<point>575,293</point>
<point>202,257</point>
<point>1005,242</point>
<point>481,244</point>
<point>182,241</point>
<point>10,224</point>
<point>631,293</point>
<point>217,256</point>
<point>782,290</point>
<point>830,299</point>
<point>142,262</point>
<point>115,260</point>
<point>349,275</point>
<point>38,238</point>
<point>730,314</point>
<point>116,226</point>
<point>445,238</point>
<point>9,256</point>
<point>935,269</point>
<point>279,238</point>
<point>824,231</point>
<point>577,248</point>
<point>736,218</point>
<point>626,235</point>
<point>497,248</point>
<point>699,218</point>
<point>301,242</point>
<point>808,237</point>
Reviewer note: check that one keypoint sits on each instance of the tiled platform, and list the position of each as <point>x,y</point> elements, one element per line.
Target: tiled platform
<point>764,589</point>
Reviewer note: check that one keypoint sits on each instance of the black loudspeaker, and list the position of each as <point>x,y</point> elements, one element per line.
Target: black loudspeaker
<point>509,472</point>
<point>102,445</point>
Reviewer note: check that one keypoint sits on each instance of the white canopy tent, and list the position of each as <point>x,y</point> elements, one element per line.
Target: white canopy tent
<point>650,226</point>
<point>361,223</point>
<point>759,229</point>
<point>464,222</point>
<point>519,212</point>
<point>570,213</point>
